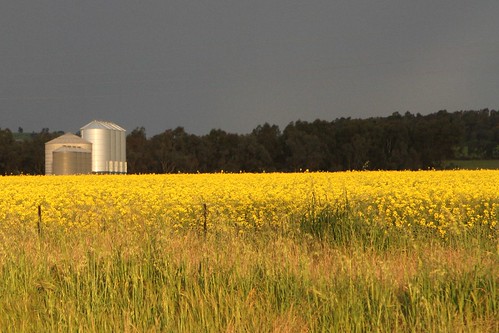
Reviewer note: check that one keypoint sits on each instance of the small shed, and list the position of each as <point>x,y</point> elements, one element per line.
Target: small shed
<point>67,140</point>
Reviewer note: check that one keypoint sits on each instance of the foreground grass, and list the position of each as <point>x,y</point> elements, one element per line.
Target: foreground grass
<point>331,273</point>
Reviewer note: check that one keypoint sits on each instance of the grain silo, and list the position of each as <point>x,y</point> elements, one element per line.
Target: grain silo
<point>66,140</point>
<point>72,160</point>
<point>108,146</point>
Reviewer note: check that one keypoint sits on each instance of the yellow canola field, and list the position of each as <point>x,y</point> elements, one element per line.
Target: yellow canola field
<point>439,200</point>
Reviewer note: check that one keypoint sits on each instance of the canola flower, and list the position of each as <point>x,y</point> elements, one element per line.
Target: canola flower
<point>440,201</point>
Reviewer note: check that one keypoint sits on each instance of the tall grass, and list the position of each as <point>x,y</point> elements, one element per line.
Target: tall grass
<point>330,273</point>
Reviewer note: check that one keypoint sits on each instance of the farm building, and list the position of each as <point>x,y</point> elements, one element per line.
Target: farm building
<point>108,146</point>
<point>69,151</point>
<point>101,149</point>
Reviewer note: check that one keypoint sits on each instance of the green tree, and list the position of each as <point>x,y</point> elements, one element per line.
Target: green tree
<point>138,153</point>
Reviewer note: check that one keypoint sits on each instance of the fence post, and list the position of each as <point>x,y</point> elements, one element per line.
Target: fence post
<point>39,224</point>
<point>205,223</point>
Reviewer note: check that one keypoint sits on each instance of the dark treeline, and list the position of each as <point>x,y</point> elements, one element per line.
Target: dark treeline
<point>393,143</point>
<point>24,153</point>
<point>390,143</point>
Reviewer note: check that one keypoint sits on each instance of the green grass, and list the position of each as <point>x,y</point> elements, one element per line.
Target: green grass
<point>471,164</point>
<point>331,273</point>
<point>22,136</point>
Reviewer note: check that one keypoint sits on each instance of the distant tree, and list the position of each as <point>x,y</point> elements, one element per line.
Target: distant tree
<point>480,134</point>
<point>187,148</point>
<point>6,151</point>
<point>269,137</point>
<point>28,155</point>
<point>303,147</point>
<point>221,151</point>
<point>137,152</point>
<point>252,156</point>
<point>175,151</point>
<point>37,151</point>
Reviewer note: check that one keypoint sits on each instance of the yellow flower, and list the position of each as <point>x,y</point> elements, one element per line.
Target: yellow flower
<point>434,200</point>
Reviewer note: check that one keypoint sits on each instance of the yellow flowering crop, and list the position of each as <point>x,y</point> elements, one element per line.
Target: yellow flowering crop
<point>438,200</point>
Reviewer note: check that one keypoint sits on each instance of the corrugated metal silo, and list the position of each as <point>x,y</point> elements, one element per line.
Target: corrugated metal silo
<point>65,140</point>
<point>108,148</point>
<point>71,161</point>
<point>123,165</point>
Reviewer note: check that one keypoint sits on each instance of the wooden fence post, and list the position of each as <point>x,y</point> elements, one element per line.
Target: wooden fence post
<point>205,222</point>
<point>39,220</point>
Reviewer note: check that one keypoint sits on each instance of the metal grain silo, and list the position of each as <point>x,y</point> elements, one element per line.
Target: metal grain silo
<point>108,147</point>
<point>65,140</point>
<point>122,159</point>
<point>71,161</point>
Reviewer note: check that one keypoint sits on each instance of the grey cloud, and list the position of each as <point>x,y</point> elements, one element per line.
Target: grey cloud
<point>236,64</point>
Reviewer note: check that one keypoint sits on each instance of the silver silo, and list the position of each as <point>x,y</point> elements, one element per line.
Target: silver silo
<point>71,161</point>
<point>65,140</point>
<point>108,146</point>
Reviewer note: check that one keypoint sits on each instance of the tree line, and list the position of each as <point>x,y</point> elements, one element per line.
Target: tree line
<point>396,142</point>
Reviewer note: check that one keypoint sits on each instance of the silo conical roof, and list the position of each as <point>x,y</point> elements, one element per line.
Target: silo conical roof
<point>99,124</point>
<point>68,139</point>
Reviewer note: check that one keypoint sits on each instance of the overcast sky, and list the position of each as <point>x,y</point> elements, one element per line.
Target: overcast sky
<point>233,65</point>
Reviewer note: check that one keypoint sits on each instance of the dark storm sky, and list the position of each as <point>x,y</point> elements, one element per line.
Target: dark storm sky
<point>236,64</point>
